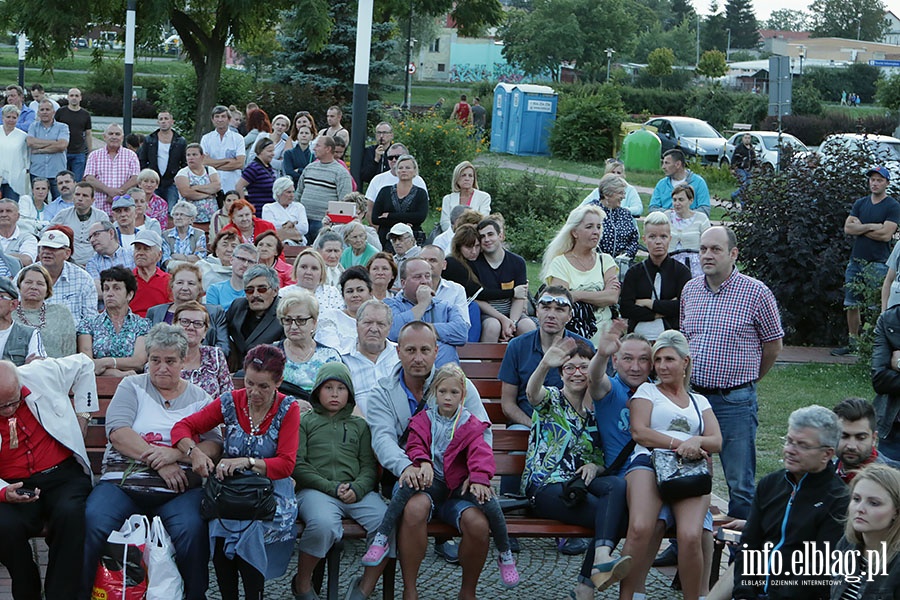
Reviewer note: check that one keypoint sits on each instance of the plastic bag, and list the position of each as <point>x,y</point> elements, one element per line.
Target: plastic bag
<point>164,579</point>
<point>122,572</point>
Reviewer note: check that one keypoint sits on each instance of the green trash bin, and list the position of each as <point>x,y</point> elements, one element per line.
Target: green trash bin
<point>641,151</point>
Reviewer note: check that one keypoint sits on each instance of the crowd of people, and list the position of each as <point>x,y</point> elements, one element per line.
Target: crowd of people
<point>167,267</point>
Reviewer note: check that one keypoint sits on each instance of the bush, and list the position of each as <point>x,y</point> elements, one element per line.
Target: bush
<point>860,78</point>
<point>111,106</point>
<point>235,87</point>
<point>534,208</point>
<point>155,87</point>
<point>105,78</point>
<point>438,145</point>
<point>812,130</point>
<point>647,101</point>
<point>790,232</point>
<point>750,108</point>
<point>586,126</point>
<point>714,104</point>
<point>806,101</point>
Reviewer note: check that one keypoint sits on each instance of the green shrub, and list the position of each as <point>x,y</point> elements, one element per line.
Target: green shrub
<point>155,87</point>
<point>811,130</point>
<point>438,145</point>
<point>587,125</point>
<point>750,108</point>
<point>806,100</point>
<point>534,208</point>
<point>235,87</point>
<point>714,175</point>
<point>105,77</point>
<point>649,101</point>
<point>714,104</point>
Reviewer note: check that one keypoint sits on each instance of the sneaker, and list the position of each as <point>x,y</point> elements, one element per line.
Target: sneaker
<point>574,546</point>
<point>509,576</point>
<point>377,551</point>
<point>449,551</point>
<point>668,557</point>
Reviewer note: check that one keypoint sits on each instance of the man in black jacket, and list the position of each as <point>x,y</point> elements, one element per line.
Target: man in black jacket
<point>651,293</point>
<point>253,320</point>
<point>886,381</point>
<point>375,160</point>
<point>796,511</point>
<point>164,147</point>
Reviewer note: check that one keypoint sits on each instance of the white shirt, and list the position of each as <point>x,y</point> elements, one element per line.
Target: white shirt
<point>278,215</point>
<point>35,105</point>
<point>162,156</point>
<point>444,240</point>
<point>28,247</point>
<point>387,178</point>
<point>363,369</point>
<point>453,293</point>
<point>35,344</point>
<point>219,147</point>
<point>336,329</point>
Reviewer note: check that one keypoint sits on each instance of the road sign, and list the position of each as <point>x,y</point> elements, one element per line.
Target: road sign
<point>411,68</point>
<point>885,63</point>
<point>779,86</point>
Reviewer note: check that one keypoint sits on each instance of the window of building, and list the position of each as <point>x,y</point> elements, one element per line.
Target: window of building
<point>441,67</point>
<point>435,45</point>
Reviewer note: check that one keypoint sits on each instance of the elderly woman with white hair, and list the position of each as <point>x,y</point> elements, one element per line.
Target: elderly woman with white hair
<point>572,261</point>
<point>357,249</point>
<point>186,243</point>
<point>632,199</point>
<point>667,416</point>
<point>620,235</point>
<point>289,217</point>
<point>13,155</point>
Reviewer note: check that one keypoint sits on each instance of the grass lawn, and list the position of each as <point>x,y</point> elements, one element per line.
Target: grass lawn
<point>429,94</point>
<point>861,111</point>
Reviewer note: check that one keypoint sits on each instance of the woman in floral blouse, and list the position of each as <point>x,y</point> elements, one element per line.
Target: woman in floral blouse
<point>620,234</point>
<point>114,339</point>
<point>204,366</point>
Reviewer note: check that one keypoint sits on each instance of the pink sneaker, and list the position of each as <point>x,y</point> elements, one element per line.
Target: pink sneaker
<point>509,576</point>
<point>377,551</point>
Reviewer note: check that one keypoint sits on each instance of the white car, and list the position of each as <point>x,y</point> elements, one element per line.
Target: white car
<point>766,145</point>
<point>882,149</point>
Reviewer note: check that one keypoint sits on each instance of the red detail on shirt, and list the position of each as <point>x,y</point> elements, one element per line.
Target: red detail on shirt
<point>37,450</point>
<point>151,292</point>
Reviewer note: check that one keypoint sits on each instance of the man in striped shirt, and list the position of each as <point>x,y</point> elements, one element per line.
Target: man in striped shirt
<point>734,330</point>
<point>324,180</point>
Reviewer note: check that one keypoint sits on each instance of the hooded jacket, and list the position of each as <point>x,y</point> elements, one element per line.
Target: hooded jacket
<point>334,449</point>
<point>468,454</point>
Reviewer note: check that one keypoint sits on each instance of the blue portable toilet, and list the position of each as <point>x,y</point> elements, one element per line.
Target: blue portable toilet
<point>500,116</point>
<point>533,113</point>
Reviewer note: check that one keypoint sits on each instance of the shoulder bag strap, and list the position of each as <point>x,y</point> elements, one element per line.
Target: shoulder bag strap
<point>697,408</point>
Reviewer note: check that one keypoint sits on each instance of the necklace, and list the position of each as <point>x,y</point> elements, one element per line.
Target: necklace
<point>42,318</point>
<point>254,427</point>
<point>580,262</point>
<point>300,357</point>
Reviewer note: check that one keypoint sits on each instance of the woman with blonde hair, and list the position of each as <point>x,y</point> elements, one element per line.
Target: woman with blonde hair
<point>873,525</point>
<point>309,273</point>
<point>687,226</point>
<point>465,193</point>
<point>572,261</point>
<point>667,416</point>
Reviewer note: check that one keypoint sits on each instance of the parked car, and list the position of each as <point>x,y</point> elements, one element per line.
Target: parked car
<point>882,150</point>
<point>766,145</point>
<point>694,137</point>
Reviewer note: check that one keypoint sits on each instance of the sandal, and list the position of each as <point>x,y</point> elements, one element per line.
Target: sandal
<point>310,595</point>
<point>606,574</point>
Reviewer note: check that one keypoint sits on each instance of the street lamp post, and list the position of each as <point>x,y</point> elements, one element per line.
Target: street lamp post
<point>609,53</point>
<point>858,25</point>
<point>407,100</point>
<point>728,46</point>
<point>802,56</point>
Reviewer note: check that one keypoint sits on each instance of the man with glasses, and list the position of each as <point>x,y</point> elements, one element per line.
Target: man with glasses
<point>18,343</point>
<point>375,160</point>
<point>15,242</point>
<point>802,505</point>
<point>224,293</point>
<point>374,356</point>
<point>108,252</point>
<point>153,283</point>
<point>45,474</point>
<point>252,320</point>
<point>389,178</point>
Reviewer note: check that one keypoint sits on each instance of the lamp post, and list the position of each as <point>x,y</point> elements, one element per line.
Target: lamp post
<point>129,66</point>
<point>858,25</point>
<point>728,46</point>
<point>361,84</point>
<point>698,41</point>
<point>802,56</point>
<point>407,100</point>
<point>609,53</point>
<point>23,41</point>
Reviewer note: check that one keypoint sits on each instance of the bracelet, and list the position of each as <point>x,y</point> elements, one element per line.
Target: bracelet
<point>115,364</point>
<point>671,441</point>
<point>191,449</point>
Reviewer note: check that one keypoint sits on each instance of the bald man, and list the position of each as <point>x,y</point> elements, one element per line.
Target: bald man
<point>112,169</point>
<point>45,474</point>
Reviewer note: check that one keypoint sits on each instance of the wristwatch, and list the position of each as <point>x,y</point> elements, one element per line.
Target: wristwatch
<point>252,462</point>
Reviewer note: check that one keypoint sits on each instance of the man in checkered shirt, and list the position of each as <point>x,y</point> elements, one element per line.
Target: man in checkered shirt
<point>734,329</point>
<point>112,169</point>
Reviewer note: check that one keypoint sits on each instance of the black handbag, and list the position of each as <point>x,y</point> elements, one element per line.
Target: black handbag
<point>678,478</point>
<point>574,491</point>
<point>243,496</point>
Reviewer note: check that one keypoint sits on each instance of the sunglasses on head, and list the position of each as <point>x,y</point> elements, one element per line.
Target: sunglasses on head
<point>547,300</point>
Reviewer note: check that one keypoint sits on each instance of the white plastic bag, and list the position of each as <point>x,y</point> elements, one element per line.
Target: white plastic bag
<point>122,572</point>
<point>164,579</point>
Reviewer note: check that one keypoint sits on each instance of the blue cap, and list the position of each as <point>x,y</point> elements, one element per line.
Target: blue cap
<point>880,170</point>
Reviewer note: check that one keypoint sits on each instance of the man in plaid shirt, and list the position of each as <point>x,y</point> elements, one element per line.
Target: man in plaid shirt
<point>112,169</point>
<point>734,329</point>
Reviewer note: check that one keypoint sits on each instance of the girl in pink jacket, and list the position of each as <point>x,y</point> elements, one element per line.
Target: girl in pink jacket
<point>446,443</point>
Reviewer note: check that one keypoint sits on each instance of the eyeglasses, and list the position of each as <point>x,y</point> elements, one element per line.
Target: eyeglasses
<point>242,259</point>
<point>186,323</point>
<point>789,442</point>
<point>383,132</point>
<point>394,156</point>
<point>570,369</point>
<point>11,404</point>
<point>258,289</point>
<point>298,321</point>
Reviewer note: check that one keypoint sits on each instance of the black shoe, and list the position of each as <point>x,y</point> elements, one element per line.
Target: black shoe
<point>449,551</point>
<point>844,350</point>
<point>667,558</point>
<point>574,546</point>
<point>514,545</point>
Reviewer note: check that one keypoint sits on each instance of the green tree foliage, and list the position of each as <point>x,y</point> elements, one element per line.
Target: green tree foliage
<point>888,94</point>
<point>681,39</point>
<point>806,100</point>
<point>587,124</point>
<point>330,68</point>
<point>740,18</point>
<point>571,30</point>
<point>712,64</point>
<point>859,78</point>
<point>713,104</point>
<point>789,19</point>
<point>712,33</point>
<point>683,11</point>
<point>660,62</point>
<point>841,18</point>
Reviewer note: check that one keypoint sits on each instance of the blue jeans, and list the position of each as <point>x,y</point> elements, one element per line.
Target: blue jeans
<point>868,274</point>
<point>743,177</point>
<point>314,226</point>
<point>604,509</point>
<point>6,191</point>
<point>169,193</point>
<point>76,162</point>
<point>109,505</point>
<point>736,413</point>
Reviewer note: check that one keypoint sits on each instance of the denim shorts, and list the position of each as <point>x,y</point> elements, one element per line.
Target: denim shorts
<point>641,462</point>
<point>869,274</point>
<point>446,506</point>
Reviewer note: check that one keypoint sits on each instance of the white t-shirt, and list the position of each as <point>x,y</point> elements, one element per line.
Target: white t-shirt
<point>162,156</point>
<point>278,215</point>
<point>217,147</point>
<point>668,418</point>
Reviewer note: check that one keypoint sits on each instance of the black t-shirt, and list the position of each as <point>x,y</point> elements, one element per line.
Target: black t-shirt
<point>79,122</point>
<point>865,248</point>
<point>510,273</point>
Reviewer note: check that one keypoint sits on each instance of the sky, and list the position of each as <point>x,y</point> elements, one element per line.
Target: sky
<point>765,7</point>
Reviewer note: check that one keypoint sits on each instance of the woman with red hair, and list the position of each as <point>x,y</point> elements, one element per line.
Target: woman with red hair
<point>244,221</point>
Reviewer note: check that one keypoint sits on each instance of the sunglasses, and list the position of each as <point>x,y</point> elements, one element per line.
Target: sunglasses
<point>298,321</point>
<point>394,156</point>
<point>547,299</point>
<point>259,289</point>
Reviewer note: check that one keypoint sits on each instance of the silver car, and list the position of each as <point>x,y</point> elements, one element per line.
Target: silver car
<point>765,143</point>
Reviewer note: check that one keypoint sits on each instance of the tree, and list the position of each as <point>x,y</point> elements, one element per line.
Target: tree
<point>712,32</point>
<point>740,18</point>
<point>789,19</point>
<point>683,11</point>
<point>206,27</point>
<point>330,69</point>
<point>712,64</point>
<point>850,19</point>
<point>659,63</point>
<point>888,93</point>
<point>682,40</point>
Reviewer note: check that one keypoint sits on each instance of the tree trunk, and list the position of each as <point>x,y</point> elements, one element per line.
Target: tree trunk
<point>208,72</point>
